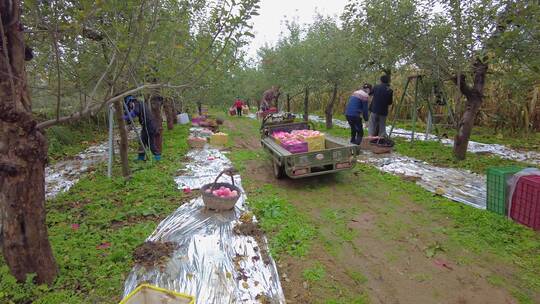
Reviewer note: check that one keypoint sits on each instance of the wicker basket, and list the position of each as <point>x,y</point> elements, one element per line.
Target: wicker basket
<point>196,144</point>
<point>220,203</point>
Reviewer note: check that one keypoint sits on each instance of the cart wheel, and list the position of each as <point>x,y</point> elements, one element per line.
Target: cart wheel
<point>279,171</point>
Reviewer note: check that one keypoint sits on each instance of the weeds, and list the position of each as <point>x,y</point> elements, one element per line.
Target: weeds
<point>112,218</point>
<point>315,273</point>
<point>289,230</point>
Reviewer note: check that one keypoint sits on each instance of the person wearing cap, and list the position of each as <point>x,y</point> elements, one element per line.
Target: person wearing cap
<point>141,111</point>
<point>358,104</point>
<point>382,99</point>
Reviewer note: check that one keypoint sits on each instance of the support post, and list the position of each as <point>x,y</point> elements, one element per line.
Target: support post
<point>415,108</point>
<point>111,141</point>
<point>397,112</point>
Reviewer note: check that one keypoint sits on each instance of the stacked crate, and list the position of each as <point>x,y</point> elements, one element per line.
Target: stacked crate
<point>497,188</point>
<point>525,208</point>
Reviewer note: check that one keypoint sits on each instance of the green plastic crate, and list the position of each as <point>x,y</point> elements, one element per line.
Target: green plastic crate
<point>497,188</point>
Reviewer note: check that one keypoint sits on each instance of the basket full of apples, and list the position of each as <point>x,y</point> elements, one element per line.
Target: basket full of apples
<point>221,196</point>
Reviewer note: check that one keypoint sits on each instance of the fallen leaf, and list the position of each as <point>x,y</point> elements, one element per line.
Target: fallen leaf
<point>75,226</point>
<point>442,264</point>
<point>103,245</point>
<point>187,190</point>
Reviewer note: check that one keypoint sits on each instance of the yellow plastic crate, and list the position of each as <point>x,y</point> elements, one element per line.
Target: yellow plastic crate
<point>148,294</point>
<point>316,143</point>
<point>219,139</point>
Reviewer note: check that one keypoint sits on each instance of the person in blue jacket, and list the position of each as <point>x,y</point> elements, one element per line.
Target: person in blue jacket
<point>141,111</point>
<point>358,104</point>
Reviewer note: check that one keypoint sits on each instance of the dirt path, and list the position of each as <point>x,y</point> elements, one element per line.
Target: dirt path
<point>376,241</point>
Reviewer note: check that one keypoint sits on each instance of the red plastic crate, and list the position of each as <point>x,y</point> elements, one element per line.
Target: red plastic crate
<point>525,207</point>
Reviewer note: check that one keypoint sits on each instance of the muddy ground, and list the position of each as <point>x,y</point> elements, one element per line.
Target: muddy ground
<point>382,244</point>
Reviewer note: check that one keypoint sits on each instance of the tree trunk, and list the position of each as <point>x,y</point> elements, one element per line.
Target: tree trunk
<point>329,111</point>
<point>388,72</point>
<point>475,97</point>
<point>156,102</point>
<point>118,113</point>
<point>169,113</point>
<point>288,103</point>
<point>306,102</point>
<point>464,130</point>
<point>23,155</point>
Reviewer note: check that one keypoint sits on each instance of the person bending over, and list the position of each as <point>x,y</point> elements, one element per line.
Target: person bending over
<point>358,104</point>
<point>142,112</point>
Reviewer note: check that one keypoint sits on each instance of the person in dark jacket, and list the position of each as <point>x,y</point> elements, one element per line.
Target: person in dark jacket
<point>358,104</point>
<point>142,112</point>
<point>382,99</point>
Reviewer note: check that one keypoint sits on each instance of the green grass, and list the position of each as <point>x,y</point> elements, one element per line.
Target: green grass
<point>314,273</point>
<point>478,231</point>
<point>288,229</point>
<point>357,277</point>
<point>438,154</point>
<point>240,157</point>
<point>467,235</point>
<point>108,211</point>
<point>69,140</point>
<point>526,141</point>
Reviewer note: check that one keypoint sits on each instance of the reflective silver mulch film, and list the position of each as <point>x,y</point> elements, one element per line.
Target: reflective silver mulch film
<point>530,157</point>
<point>61,176</point>
<point>458,185</point>
<point>211,262</point>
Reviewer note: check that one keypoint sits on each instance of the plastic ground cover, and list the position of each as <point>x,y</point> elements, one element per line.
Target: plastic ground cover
<point>212,262</point>
<point>458,185</point>
<point>530,157</point>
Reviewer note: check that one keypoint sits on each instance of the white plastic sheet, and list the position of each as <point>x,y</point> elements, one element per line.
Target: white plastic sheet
<point>212,262</point>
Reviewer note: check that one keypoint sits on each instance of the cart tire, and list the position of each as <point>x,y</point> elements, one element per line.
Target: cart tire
<point>279,171</point>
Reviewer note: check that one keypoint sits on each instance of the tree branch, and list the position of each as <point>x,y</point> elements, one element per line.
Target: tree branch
<point>89,110</point>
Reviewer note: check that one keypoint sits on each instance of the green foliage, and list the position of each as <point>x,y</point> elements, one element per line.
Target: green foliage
<point>289,230</point>
<point>108,211</point>
<point>315,273</point>
<point>358,277</point>
<point>361,299</point>
<point>71,139</point>
<point>437,154</point>
<point>107,46</point>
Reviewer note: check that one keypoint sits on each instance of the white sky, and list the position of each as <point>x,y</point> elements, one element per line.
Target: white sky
<point>269,24</point>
